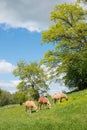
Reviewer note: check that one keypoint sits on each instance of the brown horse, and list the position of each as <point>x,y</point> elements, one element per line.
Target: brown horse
<point>43,101</point>
<point>30,105</point>
<point>59,97</point>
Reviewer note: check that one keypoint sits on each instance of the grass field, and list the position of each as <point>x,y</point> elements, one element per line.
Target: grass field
<point>68,115</point>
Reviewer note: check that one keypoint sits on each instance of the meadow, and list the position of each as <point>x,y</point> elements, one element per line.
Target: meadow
<point>68,115</point>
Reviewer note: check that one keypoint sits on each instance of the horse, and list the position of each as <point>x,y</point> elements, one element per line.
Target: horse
<point>59,97</point>
<point>30,105</point>
<point>43,101</point>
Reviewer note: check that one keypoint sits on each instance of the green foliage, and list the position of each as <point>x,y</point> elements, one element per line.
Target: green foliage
<point>82,1</point>
<point>76,73</point>
<point>67,19</point>
<point>20,97</point>
<point>68,115</point>
<point>33,79</point>
<point>69,34</point>
<point>5,98</point>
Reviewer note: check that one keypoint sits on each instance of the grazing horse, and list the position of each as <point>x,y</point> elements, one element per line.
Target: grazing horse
<point>30,105</point>
<point>59,97</point>
<point>43,101</point>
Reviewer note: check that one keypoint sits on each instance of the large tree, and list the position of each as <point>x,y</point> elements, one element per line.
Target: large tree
<point>33,79</point>
<point>69,35</point>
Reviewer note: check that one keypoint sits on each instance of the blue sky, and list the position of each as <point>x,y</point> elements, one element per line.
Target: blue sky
<point>17,44</point>
<point>21,25</point>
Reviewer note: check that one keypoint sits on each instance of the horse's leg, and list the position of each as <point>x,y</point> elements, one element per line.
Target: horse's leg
<point>45,105</point>
<point>60,99</point>
<point>55,100</point>
<point>30,109</point>
<point>40,106</point>
<point>26,108</point>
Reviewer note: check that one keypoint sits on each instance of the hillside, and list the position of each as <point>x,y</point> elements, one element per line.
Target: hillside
<point>68,115</point>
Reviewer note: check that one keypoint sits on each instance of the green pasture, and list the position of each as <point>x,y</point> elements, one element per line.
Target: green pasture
<point>68,115</point>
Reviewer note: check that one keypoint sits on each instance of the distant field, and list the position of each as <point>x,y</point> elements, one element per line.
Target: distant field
<point>68,115</point>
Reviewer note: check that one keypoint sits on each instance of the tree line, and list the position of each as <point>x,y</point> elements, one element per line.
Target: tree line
<point>6,98</point>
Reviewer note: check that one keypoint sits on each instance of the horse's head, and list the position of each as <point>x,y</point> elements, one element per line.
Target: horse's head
<point>36,108</point>
<point>49,105</point>
<point>67,99</point>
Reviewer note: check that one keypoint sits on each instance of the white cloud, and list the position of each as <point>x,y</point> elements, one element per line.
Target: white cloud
<point>30,14</point>
<point>10,85</point>
<point>6,67</point>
